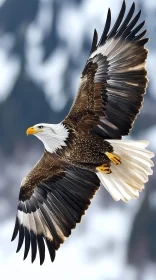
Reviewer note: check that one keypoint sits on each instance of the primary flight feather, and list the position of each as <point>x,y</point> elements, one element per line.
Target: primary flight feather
<point>86,149</point>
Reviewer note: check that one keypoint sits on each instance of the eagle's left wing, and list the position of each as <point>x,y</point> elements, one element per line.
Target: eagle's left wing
<point>52,199</point>
<point>113,81</point>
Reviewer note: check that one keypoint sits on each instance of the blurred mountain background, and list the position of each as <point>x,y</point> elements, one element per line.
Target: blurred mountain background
<point>44,45</point>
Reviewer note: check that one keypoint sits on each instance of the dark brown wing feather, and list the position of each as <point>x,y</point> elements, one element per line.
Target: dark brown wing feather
<point>52,200</point>
<point>113,81</point>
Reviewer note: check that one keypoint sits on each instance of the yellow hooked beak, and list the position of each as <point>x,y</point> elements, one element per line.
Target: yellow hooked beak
<point>32,130</point>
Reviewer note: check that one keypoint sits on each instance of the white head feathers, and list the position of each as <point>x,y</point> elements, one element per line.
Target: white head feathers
<point>53,136</point>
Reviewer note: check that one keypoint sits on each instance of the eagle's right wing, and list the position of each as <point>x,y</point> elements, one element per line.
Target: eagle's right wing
<point>113,81</point>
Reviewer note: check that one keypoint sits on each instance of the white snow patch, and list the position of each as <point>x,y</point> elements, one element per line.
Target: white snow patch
<point>9,69</point>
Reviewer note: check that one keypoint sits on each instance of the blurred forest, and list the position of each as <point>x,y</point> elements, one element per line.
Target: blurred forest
<point>44,45</point>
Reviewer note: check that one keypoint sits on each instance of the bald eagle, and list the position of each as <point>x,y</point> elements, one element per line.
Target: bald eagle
<point>86,148</point>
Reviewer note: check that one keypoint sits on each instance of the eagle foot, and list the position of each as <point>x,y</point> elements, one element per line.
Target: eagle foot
<point>114,158</point>
<point>104,168</point>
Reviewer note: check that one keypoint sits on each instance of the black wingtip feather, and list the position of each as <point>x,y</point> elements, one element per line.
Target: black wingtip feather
<point>33,246</point>
<point>51,249</point>
<point>27,243</point>
<point>106,28</point>
<point>41,248</point>
<point>143,42</point>
<point>141,35</point>
<point>21,238</point>
<point>94,42</point>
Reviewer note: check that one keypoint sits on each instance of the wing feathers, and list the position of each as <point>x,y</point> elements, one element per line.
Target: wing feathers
<point>117,63</point>
<point>53,210</point>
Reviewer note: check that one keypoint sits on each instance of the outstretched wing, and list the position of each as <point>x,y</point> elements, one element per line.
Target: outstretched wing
<point>52,199</point>
<point>113,81</point>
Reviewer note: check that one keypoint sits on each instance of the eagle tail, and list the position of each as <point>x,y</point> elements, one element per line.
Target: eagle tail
<point>127,179</point>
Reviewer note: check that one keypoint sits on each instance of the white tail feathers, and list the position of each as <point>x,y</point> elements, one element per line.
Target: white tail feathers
<point>128,178</point>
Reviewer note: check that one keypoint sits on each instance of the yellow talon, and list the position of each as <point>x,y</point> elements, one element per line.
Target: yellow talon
<point>104,168</point>
<point>114,158</point>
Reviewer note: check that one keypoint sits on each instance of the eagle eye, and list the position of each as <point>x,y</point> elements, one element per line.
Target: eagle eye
<point>40,126</point>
